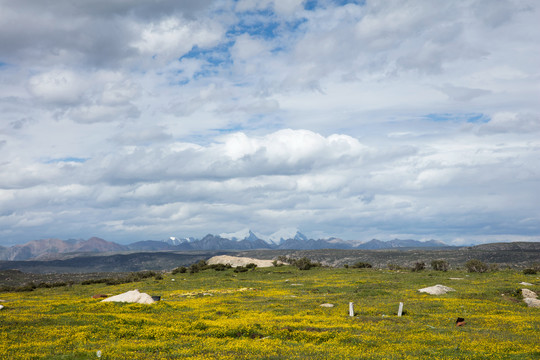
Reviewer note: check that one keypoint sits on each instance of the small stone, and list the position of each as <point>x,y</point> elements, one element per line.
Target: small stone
<point>525,283</point>
<point>1,307</point>
<point>327,305</point>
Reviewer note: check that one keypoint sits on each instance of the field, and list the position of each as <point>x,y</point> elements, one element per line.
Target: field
<point>275,313</point>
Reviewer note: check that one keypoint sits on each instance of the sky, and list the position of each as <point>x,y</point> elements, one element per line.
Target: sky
<point>138,120</point>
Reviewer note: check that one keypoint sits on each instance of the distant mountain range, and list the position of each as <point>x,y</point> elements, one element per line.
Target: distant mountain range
<point>288,239</point>
<point>41,249</point>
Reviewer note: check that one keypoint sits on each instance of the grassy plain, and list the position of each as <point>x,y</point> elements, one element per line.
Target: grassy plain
<point>275,313</point>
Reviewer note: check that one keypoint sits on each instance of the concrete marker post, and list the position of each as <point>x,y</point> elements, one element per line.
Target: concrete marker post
<point>351,309</point>
<point>400,310</point>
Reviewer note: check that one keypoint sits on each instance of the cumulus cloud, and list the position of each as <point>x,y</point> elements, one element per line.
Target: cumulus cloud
<point>352,119</point>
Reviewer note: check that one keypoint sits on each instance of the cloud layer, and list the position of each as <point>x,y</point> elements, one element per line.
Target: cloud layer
<point>352,119</point>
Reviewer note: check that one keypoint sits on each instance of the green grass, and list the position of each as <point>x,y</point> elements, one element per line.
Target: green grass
<point>275,313</point>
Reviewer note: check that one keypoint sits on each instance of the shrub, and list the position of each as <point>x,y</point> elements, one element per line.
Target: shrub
<point>475,265</point>
<point>220,267</point>
<point>251,266</point>
<point>419,266</point>
<point>393,267</point>
<point>179,270</point>
<point>26,287</point>
<point>529,271</point>
<point>362,265</point>
<point>198,266</point>
<point>439,265</point>
<point>303,263</point>
<point>240,269</point>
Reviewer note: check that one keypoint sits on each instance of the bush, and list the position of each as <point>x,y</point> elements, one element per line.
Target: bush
<point>529,271</point>
<point>475,265</point>
<point>362,265</point>
<point>219,267</point>
<point>303,263</point>
<point>179,270</point>
<point>439,265</point>
<point>394,267</point>
<point>240,269</point>
<point>419,266</point>
<point>251,266</point>
<point>198,266</point>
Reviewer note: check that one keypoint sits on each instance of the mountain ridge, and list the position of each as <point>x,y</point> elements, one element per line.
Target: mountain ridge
<point>49,248</point>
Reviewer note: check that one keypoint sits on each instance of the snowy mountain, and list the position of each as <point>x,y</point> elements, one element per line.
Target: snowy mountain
<point>178,241</point>
<point>285,234</point>
<point>274,239</point>
<point>286,239</point>
<point>245,234</point>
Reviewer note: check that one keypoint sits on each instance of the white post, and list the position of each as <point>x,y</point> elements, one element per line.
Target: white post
<point>351,309</point>
<point>400,310</point>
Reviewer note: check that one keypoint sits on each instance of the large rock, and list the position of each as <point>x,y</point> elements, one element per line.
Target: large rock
<point>437,289</point>
<point>133,296</point>
<point>528,294</point>
<point>535,303</point>
<point>238,261</point>
<point>530,298</point>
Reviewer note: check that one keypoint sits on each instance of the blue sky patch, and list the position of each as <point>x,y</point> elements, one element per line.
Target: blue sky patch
<point>470,118</point>
<point>66,159</point>
<point>259,23</point>
<point>311,5</point>
<point>216,56</point>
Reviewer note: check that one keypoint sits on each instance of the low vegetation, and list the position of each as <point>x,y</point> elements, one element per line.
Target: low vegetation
<point>475,265</point>
<point>303,263</point>
<point>275,313</point>
<point>440,265</point>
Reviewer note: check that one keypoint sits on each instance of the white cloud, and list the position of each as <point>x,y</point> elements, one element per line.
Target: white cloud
<point>364,119</point>
<point>506,122</point>
<point>60,87</point>
<point>173,37</point>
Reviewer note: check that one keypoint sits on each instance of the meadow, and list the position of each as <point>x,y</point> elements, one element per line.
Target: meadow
<point>275,313</point>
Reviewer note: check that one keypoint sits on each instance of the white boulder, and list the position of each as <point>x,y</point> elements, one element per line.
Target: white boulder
<point>133,296</point>
<point>437,289</point>
<point>238,261</point>
<point>535,303</point>
<point>528,294</point>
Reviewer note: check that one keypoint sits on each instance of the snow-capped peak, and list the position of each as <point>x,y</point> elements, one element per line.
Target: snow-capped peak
<point>177,241</point>
<point>285,234</point>
<point>244,234</point>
